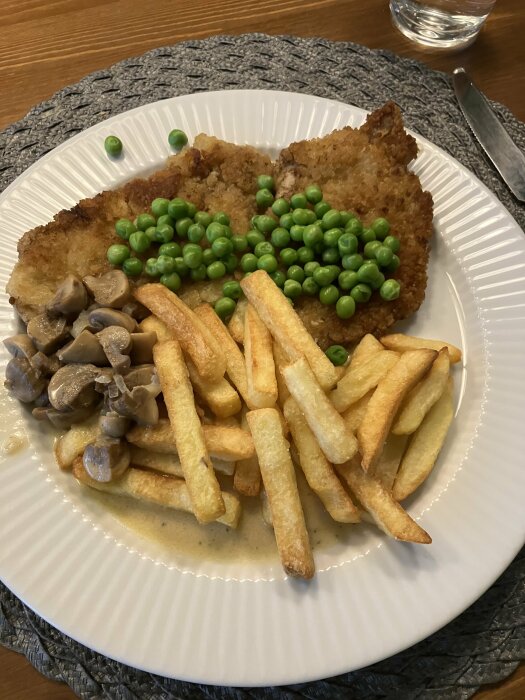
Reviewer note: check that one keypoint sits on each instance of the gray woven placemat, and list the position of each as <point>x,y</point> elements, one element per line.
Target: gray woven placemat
<point>484,644</point>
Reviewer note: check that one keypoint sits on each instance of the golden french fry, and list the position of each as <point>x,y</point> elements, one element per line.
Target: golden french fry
<point>169,463</point>
<point>73,443</point>
<point>387,465</point>
<point>197,468</point>
<point>265,508</point>
<point>354,413</point>
<point>388,515</point>
<point>361,377</point>
<point>258,357</point>
<point>280,360</point>
<point>222,442</point>
<point>286,327</point>
<point>366,346</point>
<point>387,398</point>
<point>335,440</point>
<point>162,490</point>
<point>424,446</point>
<point>423,396</point>
<point>153,324</point>
<point>236,323</point>
<point>280,484</point>
<point>317,469</point>
<point>194,338</point>
<point>235,365</point>
<point>220,396</point>
<point>402,342</point>
<point>247,477</point>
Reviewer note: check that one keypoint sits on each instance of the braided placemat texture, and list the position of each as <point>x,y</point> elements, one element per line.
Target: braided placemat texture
<point>483,645</point>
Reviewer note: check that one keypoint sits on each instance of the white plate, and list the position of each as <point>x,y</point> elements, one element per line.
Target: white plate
<point>247,624</point>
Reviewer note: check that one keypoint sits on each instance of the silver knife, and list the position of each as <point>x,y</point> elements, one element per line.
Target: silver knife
<point>500,148</point>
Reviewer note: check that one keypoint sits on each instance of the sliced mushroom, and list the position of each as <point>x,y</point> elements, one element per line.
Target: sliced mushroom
<point>113,425</point>
<point>140,375</point>
<point>73,386</point>
<point>23,381</point>
<point>20,346</point>
<point>103,317</point>
<point>106,459</point>
<point>47,333</point>
<point>81,323</point>
<point>42,400</point>
<point>70,299</point>
<point>139,404</point>
<point>142,347</point>
<point>116,343</point>
<point>47,366</point>
<point>63,419</point>
<point>136,310</point>
<point>85,348</point>
<point>111,289</point>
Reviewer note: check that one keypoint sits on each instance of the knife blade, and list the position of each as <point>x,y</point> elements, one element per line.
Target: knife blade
<point>489,131</point>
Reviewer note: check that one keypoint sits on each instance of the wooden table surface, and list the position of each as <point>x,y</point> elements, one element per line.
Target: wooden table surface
<point>47,45</point>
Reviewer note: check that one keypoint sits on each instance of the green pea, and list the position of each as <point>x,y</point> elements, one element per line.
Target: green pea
<point>180,266</point>
<point>254,237</point>
<point>377,281</point>
<point>368,272</point>
<point>345,307</point>
<point>312,234</point>
<point>279,278</point>
<point>369,251</point>
<point>199,273</point>
<point>165,264</point>
<point>347,244</point>
<point>124,228</point>
<point>224,307</point>
<point>208,256</point>
<point>310,287</point>
<point>139,242</point>
<point>165,219</point>
<point>178,208</point>
<point>281,206</point>
<point>352,262</point>
<point>292,289</point>
<point>164,234</point>
<point>305,255</point>
<point>298,201</point>
<point>214,231</point>
<point>347,279</point>
<point>264,248</point>
<point>335,270</point>
<point>337,355</point>
<point>288,256</point>
<point>323,276</point>
<point>354,226</point>
<point>132,267</point>
<point>113,146</point>
<point>249,262</point>
<point>150,268</point>
<point>144,221</point>
<point>216,270</point>
<point>264,198</point>
<point>231,262</point>
<point>346,216</point>
<point>171,281</point>
<point>266,182</point>
<point>192,255</point>
<point>196,233</point>
<point>222,247</point>
<point>361,293</point>
<point>286,221</point>
<point>159,206</point>
<point>328,295</point>
<point>384,255</point>
<point>192,209</point>
<point>390,290</point>
<point>321,208</point>
<point>177,139</point>
<point>332,236</point>
<point>265,224</point>
<point>151,233</point>
<point>296,233</point>
<point>394,264</point>
<point>303,217</point>
<point>381,228</point>
<point>330,256</point>
<point>367,236</point>
<point>313,194</point>
<point>228,233</point>
<point>280,237</point>
<point>172,249</point>
<point>391,241</point>
<point>221,217</point>
<point>117,253</point>
<point>203,218</point>
<point>268,263</point>
<point>232,289</point>
<point>309,267</point>
<point>332,219</point>
<point>182,227</point>
<point>295,273</point>
<point>240,244</point>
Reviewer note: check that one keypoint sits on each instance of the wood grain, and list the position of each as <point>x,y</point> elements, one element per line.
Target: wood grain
<point>47,45</point>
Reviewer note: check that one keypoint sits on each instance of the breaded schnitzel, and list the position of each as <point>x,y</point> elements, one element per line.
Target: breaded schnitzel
<point>363,170</point>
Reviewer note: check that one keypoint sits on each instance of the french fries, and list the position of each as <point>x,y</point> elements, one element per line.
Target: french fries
<point>247,477</point>
<point>402,343</point>
<point>203,487</point>
<point>286,327</point>
<point>388,515</point>
<point>354,414</point>
<point>423,396</point>
<point>360,377</point>
<point>337,443</point>
<point>366,346</point>
<point>280,484</point>
<point>317,469</point>
<point>194,338</point>
<point>220,396</point>
<point>155,488</point>
<point>260,366</point>
<point>73,443</point>
<point>153,324</point>
<point>169,463</point>
<point>424,447</point>
<point>280,360</point>
<point>387,465</point>
<point>387,398</point>
<point>236,324</point>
